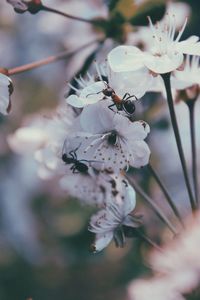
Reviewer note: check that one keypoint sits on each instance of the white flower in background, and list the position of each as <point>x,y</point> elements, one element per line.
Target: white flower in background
<point>6,89</point>
<point>166,54</point>
<point>44,137</point>
<point>110,139</point>
<point>189,76</point>
<point>176,269</point>
<point>107,223</point>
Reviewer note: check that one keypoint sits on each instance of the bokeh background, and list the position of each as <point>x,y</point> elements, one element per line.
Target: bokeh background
<point>44,242</point>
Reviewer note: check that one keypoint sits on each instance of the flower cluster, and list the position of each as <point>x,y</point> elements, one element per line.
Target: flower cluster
<point>94,137</point>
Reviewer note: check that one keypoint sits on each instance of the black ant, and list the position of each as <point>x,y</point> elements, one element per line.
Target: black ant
<point>78,165</point>
<point>126,103</point>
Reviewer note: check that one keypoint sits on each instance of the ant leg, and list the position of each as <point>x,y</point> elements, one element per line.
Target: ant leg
<point>125,95</point>
<point>131,96</point>
<point>111,106</point>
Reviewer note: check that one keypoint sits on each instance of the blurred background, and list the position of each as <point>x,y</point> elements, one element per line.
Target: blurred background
<point>44,242</point>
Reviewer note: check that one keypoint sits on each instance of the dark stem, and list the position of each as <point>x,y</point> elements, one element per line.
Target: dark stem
<point>49,60</point>
<point>165,192</point>
<point>166,79</point>
<point>49,9</point>
<point>191,106</point>
<point>148,240</point>
<point>153,205</point>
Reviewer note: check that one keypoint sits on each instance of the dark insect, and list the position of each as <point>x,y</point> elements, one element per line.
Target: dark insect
<point>126,103</point>
<point>112,138</point>
<point>78,166</point>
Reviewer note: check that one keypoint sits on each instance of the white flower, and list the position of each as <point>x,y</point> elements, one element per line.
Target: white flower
<point>115,88</point>
<point>166,54</point>
<point>189,76</point>
<point>44,137</point>
<point>110,139</point>
<point>107,223</point>
<point>94,188</point>
<point>6,90</point>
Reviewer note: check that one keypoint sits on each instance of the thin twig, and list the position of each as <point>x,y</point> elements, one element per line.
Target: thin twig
<point>49,60</point>
<point>153,205</point>
<point>148,240</point>
<point>166,79</point>
<point>191,106</point>
<point>165,192</point>
<point>53,10</point>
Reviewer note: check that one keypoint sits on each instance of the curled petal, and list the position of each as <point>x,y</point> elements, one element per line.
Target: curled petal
<point>165,63</point>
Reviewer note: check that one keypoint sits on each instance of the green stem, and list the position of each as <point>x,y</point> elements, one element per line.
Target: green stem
<point>153,205</point>
<point>166,79</point>
<point>191,106</point>
<point>165,192</point>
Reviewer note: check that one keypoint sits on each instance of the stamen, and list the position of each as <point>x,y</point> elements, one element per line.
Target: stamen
<point>181,31</point>
<point>73,88</point>
<point>98,71</point>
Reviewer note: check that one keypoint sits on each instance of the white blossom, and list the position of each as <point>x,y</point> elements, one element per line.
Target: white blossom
<point>43,137</point>
<point>6,89</point>
<point>107,223</point>
<point>166,53</point>
<point>110,139</point>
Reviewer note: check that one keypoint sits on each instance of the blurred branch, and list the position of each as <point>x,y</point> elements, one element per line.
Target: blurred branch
<point>153,205</point>
<point>48,60</point>
<point>165,192</point>
<point>49,9</point>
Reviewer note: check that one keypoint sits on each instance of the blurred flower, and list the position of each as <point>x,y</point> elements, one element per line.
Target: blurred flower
<point>44,138</point>
<point>107,223</point>
<point>6,89</point>
<point>176,269</point>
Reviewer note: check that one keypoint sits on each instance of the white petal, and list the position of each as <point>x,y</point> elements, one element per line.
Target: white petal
<point>125,59</point>
<point>93,91</point>
<point>141,154</point>
<point>130,199</point>
<point>75,101</point>
<point>190,46</point>
<point>102,241</point>
<point>136,83</point>
<point>96,119</point>
<point>163,63</point>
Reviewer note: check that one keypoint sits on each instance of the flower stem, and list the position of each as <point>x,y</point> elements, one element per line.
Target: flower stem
<point>165,192</point>
<point>191,106</point>
<point>49,9</point>
<point>153,205</point>
<point>48,60</point>
<point>147,239</point>
<point>166,79</point>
